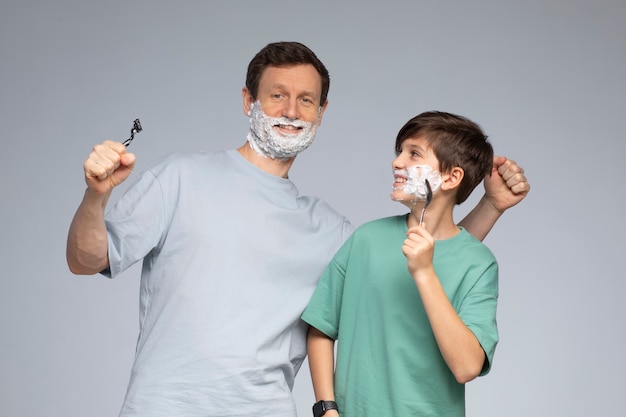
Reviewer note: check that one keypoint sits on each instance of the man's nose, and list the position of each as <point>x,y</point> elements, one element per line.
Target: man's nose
<point>291,109</point>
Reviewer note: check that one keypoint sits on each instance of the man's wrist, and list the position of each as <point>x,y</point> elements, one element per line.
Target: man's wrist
<point>490,206</point>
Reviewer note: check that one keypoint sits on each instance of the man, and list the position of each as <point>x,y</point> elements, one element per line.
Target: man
<point>231,254</point>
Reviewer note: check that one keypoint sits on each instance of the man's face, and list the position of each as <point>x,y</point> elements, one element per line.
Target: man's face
<point>293,92</point>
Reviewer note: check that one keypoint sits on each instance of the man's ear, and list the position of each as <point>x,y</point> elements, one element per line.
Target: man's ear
<point>452,179</point>
<point>322,110</point>
<point>247,100</point>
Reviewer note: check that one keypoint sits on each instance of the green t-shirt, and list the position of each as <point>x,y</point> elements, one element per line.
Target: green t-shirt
<point>388,362</point>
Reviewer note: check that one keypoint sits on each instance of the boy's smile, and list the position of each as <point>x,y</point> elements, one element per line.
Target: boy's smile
<point>414,164</point>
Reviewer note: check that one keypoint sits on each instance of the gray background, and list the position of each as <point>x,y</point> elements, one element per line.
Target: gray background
<point>546,79</point>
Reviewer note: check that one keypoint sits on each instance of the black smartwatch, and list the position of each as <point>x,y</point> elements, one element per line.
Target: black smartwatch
<point>321,407</point>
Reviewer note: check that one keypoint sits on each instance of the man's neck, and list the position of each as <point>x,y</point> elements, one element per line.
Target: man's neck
<point>277,167</point>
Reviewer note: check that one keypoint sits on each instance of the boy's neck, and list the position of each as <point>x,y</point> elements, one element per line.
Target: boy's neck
<point>440,224</point>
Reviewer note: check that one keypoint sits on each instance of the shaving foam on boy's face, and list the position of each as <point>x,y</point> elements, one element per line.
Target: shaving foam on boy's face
<point>415,176</point>
<point>268,141</point>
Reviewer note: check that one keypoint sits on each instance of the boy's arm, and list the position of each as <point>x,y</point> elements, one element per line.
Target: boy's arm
<point>505,187</point>
<point>457,343</point>
<point>321,351</point>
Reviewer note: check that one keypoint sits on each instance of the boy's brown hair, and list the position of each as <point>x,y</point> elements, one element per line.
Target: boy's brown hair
<point>456,142</point>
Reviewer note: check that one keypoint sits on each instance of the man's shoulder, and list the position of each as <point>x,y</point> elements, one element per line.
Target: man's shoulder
<point>324,210</point>
<point>183,157</point>
<point>189,160</point>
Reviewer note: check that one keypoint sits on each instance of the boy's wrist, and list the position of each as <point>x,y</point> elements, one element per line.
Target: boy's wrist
<point>323,407</point>
<point>425,275</point>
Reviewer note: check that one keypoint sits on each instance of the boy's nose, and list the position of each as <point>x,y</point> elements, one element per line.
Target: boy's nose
<point>397,163</point>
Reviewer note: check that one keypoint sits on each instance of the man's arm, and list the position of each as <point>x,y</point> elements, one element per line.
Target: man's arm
<point>87,245</point>
<point>321,351</point>
<point>505,187</point>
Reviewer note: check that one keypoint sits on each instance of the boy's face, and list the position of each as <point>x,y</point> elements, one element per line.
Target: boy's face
<point>415,163</point>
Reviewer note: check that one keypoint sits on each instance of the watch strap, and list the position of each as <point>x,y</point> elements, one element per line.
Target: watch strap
<point>320,407</point>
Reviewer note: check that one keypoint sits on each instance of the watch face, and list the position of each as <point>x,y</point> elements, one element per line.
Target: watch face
<point>320,407</point>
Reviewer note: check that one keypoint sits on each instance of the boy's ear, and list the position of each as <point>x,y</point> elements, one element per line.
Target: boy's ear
<point>452,179</point>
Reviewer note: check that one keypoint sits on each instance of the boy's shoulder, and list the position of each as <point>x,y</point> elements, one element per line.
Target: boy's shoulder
<point>383,223</point>
<point>379,230</point>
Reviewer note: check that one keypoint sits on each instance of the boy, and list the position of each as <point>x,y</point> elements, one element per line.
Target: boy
<point>414,305</point>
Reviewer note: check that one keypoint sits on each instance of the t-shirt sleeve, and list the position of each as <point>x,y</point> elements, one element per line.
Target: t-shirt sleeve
<point>478,312</point>
<point>135,224</point>
<point>324,309</point>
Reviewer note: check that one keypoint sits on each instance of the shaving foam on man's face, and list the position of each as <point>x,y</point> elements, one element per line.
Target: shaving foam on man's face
<point>413,181</point>
<point>267,140</point>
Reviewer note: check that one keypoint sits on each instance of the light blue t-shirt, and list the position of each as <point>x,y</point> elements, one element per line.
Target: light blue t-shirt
<point>231,256</point>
